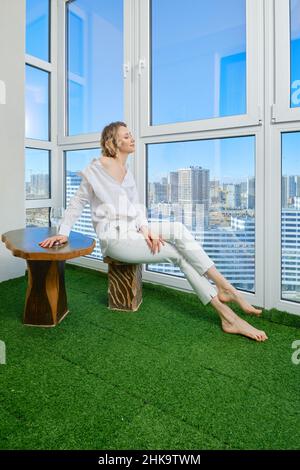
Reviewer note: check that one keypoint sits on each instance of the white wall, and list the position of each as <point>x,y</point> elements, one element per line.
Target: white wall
<point>12,124</point>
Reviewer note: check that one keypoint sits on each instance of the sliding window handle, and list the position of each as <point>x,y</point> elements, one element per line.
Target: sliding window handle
<point>126,68</point>
<point>142,65</point>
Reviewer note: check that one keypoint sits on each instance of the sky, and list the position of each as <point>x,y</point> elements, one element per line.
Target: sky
<point>198,71</point>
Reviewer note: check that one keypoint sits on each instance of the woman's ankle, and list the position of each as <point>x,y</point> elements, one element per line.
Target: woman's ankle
<point>223,310</point>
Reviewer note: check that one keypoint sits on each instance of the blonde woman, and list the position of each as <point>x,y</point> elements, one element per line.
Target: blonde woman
<point>125,233</point>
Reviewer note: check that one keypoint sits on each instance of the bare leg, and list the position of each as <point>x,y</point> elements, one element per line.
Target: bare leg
<point>232,323</point>
<point>227,293</point>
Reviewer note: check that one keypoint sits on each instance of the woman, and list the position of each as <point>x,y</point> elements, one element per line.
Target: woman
<point>126,235</point>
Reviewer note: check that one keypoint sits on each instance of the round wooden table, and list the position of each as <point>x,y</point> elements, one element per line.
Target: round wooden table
<point>46,298</point>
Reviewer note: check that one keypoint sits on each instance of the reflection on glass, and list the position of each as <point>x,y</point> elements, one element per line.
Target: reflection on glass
<point>76,160</point>
<point>209,186</point>
<point>37,28</point>
<point>37,104</point>
<point>37,181</point>
<point>295,52</point>
<point>290,217</point>
<point>38,217</point>
<point>198,59</point>
<point>94,64</point>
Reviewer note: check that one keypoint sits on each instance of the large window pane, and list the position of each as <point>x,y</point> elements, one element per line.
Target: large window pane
<point>37,174</point>
<point>209,186</point>
<point>37,104</point>
<point>295,52</point>
<point>37,28</point>
<point>94,64</point>
<point>198,59</point>
<point>39,217</point>
<point>290,217</point>
<point>76,160</point>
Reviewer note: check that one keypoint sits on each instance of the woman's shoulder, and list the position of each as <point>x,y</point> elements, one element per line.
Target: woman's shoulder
<point>104,161</point>
<point>90,169</point>
<point>95,163</point>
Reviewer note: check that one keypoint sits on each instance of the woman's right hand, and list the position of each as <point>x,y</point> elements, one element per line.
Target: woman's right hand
<point>153,240</point>
<point>54,240</point>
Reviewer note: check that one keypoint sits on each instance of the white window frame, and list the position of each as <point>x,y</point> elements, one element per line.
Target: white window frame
<point>254,35</point>
<point>51,145</point>
<point>93,137</point>
<point>281,110</point>
<point>272,161</point>
<point>176,282</point>
<point>91,140</point>
<point>273,227</point>
<point>273,237</point>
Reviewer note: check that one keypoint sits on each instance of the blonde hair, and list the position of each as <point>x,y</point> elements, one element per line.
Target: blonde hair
<point>108,140</point>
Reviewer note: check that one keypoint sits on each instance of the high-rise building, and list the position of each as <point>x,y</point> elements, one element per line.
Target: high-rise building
<point>173,186</point>
<point>298,185</point>
<point>284,191</point>
<point>292,186</point>
<point>251,193</point>
<point>194,189</point>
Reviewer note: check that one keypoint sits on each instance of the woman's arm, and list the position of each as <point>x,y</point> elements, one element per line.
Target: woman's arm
<point>75,207</point>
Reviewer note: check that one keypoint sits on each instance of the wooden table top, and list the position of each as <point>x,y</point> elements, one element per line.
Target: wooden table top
<point>24,243</point>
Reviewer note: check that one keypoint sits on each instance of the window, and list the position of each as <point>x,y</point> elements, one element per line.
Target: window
<point>37,182</point>
<point>286,105</point>
<point>198,60</point>
<point>295,52</point>
<point>94,65</point>
<point>76,160</point>
<point>39,128</point>
<point>200,184</point>
<point>38,29</point>
<point>290,217</point>
<point>200,64</point>
<point>37,103</point>
<point>92,93</point>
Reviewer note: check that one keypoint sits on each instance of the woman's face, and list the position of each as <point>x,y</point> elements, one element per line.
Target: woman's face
<point>126,142</point>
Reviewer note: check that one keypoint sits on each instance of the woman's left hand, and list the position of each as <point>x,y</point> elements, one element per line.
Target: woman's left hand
<point>153,240</point>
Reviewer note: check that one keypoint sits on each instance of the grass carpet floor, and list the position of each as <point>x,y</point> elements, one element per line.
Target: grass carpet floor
<point>165,377</point>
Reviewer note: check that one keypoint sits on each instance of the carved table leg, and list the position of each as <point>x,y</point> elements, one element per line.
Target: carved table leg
<point>124,285</point>
<point>46,299</point>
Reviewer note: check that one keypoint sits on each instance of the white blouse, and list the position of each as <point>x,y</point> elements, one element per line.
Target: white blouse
<point>112,203</point>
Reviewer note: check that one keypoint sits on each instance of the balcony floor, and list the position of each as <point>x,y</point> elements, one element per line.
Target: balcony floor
<point>165,377</point>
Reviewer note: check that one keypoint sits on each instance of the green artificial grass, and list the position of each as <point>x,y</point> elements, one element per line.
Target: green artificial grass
<point>165,377</point>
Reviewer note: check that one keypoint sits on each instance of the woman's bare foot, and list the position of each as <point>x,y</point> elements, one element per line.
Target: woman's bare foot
<point>231,323</point>
<point>241,327</point>
<point>228,293</point>
<point>232,295</point>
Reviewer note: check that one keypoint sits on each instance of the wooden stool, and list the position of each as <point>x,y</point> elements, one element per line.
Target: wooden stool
<point>124,285</point>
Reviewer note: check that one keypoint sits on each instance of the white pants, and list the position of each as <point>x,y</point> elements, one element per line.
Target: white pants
<point>180,249</point>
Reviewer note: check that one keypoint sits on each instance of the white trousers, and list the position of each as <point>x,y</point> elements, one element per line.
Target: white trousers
<point>180,249</point>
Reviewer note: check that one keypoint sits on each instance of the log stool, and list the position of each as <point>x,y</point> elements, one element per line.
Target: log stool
<point>124,285</point>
